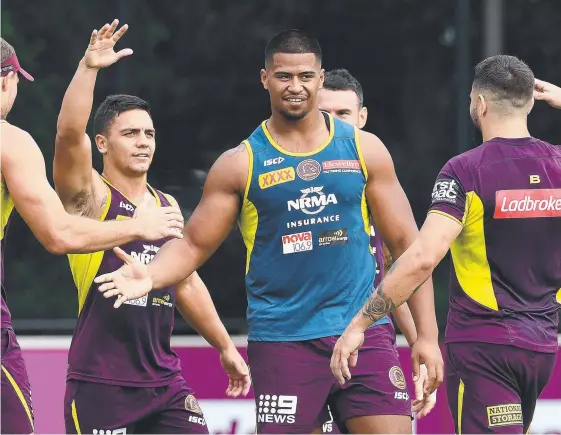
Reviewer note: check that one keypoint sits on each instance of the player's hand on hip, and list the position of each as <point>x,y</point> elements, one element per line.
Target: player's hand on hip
<point>100,52</point>
<point>131,281</point>
<point>345,354</point>
<point>157,223</point>
<point>548,92</point>
<point>423,403</point>
<point>237,371</point>
<point>428,352</point>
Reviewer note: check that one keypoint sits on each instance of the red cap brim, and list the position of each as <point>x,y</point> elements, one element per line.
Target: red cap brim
<point>25,74</point>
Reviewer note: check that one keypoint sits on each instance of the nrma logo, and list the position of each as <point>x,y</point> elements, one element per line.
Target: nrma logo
<point>147,255</point>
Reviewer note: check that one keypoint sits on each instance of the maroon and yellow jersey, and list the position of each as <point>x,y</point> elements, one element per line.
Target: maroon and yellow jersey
<point>129,346</point>
<point>6,208</point>
<point>505,283</point>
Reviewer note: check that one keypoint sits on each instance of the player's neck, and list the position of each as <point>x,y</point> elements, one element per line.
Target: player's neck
<point>131,187</point>
<point>506,128</point>
<point>301,134</point>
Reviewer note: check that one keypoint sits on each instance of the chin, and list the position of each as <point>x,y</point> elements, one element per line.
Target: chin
<point>294,116</point>
<point>139,169</point>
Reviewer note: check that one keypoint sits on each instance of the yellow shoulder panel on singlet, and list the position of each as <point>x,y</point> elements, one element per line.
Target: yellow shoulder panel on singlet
<point>6,207</point>
<point>84,267</point>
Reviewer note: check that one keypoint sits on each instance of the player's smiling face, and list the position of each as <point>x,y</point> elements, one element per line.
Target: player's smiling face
<point>130,143</point>
<point>293,81</point>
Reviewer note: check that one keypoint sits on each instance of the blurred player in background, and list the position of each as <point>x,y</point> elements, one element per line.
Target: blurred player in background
<point>342,96</point>
<point>122,361</point>
<point>303,187</point>
<point>24,186</point>
<point>498,208</point>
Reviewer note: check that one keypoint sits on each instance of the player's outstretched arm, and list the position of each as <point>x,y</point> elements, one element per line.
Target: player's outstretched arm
<point>548,92</point>
<point>208,226</point>
<point>23,168</point>
<point>210,223</point>
<point>75,180</point>
<point>394,219</point>
<point>195,305</point>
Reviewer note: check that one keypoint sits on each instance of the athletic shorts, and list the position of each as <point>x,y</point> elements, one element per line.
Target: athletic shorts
<point>295,389</point>
<point>17,412</point>
<point>108,409</point>
<point>493,388</point>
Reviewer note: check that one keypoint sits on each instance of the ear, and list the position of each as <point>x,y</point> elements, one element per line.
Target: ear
<point>482,106</point>
<point>321,78</point>
<point>6,80</point>
<point>264,79</point>
<point>362,117</point>
<point>101,143</point>
<point>531,105</point>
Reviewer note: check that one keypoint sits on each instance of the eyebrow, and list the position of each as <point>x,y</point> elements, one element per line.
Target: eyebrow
<point>148,130</point>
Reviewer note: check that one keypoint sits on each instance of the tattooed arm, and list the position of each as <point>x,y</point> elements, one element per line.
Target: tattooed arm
<point>411,269</point>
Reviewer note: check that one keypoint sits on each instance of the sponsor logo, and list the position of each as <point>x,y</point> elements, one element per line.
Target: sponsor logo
<point>312,201</point>
<point>275,161</point>
<point>192,405</point>
<point>397,378</point>
<point>121,431</point>
<point>327,427</point>
<point>341,166</point>
<point>126,206</point>
<point>197,420</point>
<point>298,242</point>
<point>535,179</point>
<point>147,255</point>
<point>308,170</point>
<point>277,409</point>
<point>527,203</point>
<point>313,221</point>
<point>140,302</point>
<point>445,190</point>
<point>401,395</point>
<point>333,237</point>
<point>505,415</point>
<point>280,176</point>
<point>162,301</point>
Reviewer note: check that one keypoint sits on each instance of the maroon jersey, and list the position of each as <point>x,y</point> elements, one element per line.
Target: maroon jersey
<point>129,346</point>
<point>506,280</point>
<point>377,246</point>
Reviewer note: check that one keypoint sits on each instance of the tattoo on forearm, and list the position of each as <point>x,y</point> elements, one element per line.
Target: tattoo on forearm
<point>378,305</point>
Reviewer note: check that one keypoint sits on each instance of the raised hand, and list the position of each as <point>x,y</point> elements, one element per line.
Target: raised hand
<point>131,281</point>
<point>100,52</point>
<point>548,92</point>
<point>155,223</point>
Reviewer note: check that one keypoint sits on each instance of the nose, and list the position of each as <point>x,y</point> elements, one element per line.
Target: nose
<point>295,85</point>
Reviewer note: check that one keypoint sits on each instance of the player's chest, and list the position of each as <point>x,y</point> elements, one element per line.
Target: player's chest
<point>310,185</point>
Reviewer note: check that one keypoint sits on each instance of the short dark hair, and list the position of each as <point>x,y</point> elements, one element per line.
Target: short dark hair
<point>342,80</point>
<point>506,77</point>
<point>292,41</point>
<point>112,107</point>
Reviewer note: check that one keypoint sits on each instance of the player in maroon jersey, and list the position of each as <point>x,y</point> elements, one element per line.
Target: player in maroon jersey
<point>123,361</point>
<point>498,208</point>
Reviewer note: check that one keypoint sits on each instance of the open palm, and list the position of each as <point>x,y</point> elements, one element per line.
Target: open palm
<point>131,281</point>
<point>100,52</point>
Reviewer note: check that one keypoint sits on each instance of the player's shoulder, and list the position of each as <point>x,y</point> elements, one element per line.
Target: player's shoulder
<point>16,141</point>
<point>230,170</point>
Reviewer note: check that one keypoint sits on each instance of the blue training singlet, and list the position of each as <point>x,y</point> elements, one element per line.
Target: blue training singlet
<point>305,223</point>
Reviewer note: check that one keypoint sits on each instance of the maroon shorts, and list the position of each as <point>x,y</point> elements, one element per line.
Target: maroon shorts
<point>99,408</point>
<point>493,388</point>
<point>294,386</point>
<point>17,412</point>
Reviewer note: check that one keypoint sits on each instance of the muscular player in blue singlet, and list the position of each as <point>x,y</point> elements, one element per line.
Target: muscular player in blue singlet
<point>303,187</point>
<point>24,186</point>
<point>122,360</point>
